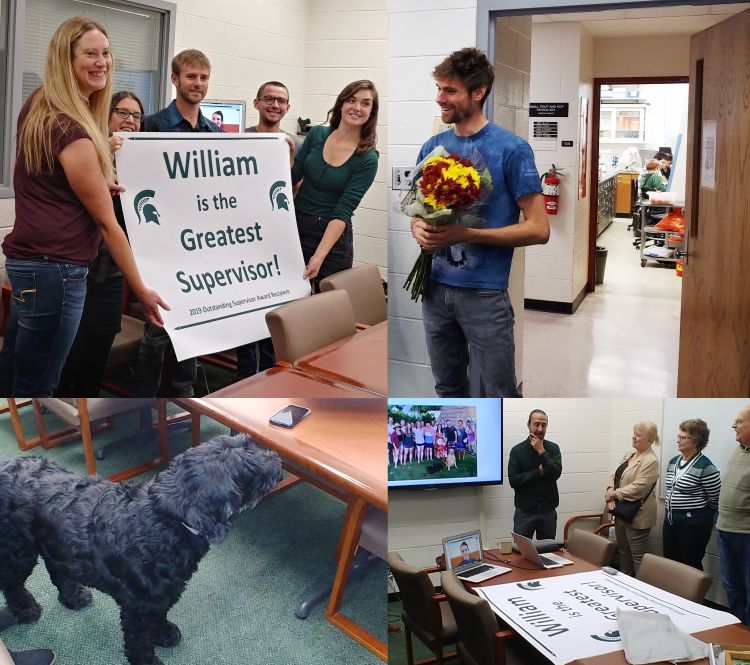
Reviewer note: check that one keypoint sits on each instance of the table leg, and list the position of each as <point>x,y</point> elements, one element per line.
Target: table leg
<point>355,513</point>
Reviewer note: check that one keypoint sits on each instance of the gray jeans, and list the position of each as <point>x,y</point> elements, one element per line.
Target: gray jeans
<point>457,318</point>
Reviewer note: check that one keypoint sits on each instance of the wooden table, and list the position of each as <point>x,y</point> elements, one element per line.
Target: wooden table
<point>285,381</point>
<point>733,634</point>
<point>359,360</point>
<point>339,447</point>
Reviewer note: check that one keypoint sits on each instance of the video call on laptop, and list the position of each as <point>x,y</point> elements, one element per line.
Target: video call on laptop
<point>464,557</point>
<point>528,551</point>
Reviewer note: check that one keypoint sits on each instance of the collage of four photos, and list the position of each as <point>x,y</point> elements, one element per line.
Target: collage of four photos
<point>383,331</point>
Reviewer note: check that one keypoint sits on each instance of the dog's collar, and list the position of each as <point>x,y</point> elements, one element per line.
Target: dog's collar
<point>195,532</point>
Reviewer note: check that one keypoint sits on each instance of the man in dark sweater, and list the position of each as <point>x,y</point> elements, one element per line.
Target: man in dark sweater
<point>533,469</point>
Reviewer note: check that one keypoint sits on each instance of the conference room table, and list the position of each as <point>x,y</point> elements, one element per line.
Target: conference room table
<point>358,360</point>
<point>340,448</point>
<point>523,571</point>
<point>285,381</point>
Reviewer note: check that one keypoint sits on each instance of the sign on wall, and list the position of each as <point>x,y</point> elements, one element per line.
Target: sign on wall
<point>575,616</point>
<point>210,218</point>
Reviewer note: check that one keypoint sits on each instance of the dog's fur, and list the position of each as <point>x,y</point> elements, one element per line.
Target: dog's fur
<point>451,461</point>
<point>131,541</point>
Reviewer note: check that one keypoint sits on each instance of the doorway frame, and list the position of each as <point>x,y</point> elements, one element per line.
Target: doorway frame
<point>594,172</point>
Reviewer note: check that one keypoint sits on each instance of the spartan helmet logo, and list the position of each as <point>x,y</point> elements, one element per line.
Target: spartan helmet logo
<point>144,208</point>
<point>609,636</point>
<point>278,197</point>
<point>530,586</point>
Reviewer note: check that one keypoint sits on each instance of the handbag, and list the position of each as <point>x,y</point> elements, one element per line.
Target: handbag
<point>627,510</point>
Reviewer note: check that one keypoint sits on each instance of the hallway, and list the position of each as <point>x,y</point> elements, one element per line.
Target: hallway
<point>621,342</point>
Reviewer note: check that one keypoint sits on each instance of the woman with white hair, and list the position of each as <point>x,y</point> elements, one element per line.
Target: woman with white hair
<point>62,180</point>
<point>634,480</point>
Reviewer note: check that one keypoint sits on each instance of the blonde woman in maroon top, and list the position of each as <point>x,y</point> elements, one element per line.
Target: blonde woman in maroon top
<point>62,181</point>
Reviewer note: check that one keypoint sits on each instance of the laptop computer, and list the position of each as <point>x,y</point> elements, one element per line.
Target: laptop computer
<point>464,556</point>
<point>528,551</point>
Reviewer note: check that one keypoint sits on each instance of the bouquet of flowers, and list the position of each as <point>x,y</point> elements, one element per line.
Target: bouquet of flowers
<point>447,189</point>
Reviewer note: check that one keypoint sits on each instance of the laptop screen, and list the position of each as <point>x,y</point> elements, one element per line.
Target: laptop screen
<point>462,551</point>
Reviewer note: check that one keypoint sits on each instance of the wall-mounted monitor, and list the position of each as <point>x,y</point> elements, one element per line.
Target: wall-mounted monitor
<point>228,114</point>
<point>466,437</point>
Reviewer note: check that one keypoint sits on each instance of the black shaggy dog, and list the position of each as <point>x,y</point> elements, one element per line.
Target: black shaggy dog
<point>140,543</point>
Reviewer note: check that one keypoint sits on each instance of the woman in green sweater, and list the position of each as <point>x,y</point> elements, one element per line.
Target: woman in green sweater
<point>337,165</point>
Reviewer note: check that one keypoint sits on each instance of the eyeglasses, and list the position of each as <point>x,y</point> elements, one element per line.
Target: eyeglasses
<point>125,114</point>
<point>270,100</point>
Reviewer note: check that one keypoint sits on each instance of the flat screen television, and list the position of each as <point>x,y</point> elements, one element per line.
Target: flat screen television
<point>228,114</point>
<point>471,456</point>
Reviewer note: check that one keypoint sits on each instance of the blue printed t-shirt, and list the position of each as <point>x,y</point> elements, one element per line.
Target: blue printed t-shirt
<point>514,173</point>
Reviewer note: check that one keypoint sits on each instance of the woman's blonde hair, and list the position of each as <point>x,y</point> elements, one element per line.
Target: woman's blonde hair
<point>60,97</point>
<point>651,430</point>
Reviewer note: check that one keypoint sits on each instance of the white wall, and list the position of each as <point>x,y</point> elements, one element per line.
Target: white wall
<point>593,435</point>
<point>315,47</point>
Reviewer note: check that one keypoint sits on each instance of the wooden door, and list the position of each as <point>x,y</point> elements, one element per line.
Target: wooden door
<point>714,359</point>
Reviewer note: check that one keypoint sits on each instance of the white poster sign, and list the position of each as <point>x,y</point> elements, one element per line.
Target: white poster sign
<point>708,155</point>
<point>575,616</point>
<point>211,222</point>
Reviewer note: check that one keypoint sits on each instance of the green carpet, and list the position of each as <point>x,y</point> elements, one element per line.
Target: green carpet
<point>239,606</point>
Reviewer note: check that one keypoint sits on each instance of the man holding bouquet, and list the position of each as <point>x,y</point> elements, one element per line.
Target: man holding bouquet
<point>467,302</point>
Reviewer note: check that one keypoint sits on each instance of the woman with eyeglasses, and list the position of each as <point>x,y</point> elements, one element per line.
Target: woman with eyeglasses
<point>62,179</point>
<point>102,311</point>
<point>337,165</point>
<point>692,501</point>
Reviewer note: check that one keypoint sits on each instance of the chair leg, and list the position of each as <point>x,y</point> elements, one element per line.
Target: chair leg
<point>161,411</point>
<point>88,443</point>
<point>409,647</point>
<point>15,419</point>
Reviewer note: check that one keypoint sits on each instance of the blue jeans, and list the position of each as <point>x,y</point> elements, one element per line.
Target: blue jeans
<point>734,558</point>
<point>46,305</point>
<point>457,318</point>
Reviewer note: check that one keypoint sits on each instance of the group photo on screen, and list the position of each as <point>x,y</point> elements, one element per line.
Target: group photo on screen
<point>432,441</point>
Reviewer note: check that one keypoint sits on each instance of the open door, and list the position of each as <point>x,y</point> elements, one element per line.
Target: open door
<point>714,359</point>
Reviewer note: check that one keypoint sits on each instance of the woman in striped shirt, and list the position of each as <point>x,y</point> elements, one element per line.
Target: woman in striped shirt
<point>693,485</point>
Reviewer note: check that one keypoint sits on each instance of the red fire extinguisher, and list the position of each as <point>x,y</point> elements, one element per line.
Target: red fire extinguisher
<point>551,189</point>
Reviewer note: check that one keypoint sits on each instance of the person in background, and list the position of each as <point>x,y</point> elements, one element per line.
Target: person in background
<point>693,485</point>
<point>191,71</point>
<point>468,305</point>
<point>102,311</point>
<point>534,466</point>
<point>62,181</point>
<point>217,117</point>
<point>733,527</point>
<point>665,164</point>
<point>272,104</point>
<point>650,180</point>
<point>635,479</point>
<point>337,164</point>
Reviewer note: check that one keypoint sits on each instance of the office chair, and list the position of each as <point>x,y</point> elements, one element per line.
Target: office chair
<point>595,549</point>
<point>80,414</point>
<point>425,612</point>
<point>365,289</point>
<point>482,640</point>
<point>674,577</point>
<point>308,324</point>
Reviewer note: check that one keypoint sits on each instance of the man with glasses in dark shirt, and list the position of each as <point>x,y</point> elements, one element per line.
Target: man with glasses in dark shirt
<point>191,71</point>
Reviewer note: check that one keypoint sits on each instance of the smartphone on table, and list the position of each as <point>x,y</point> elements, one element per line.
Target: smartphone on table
<point>289,416</point>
